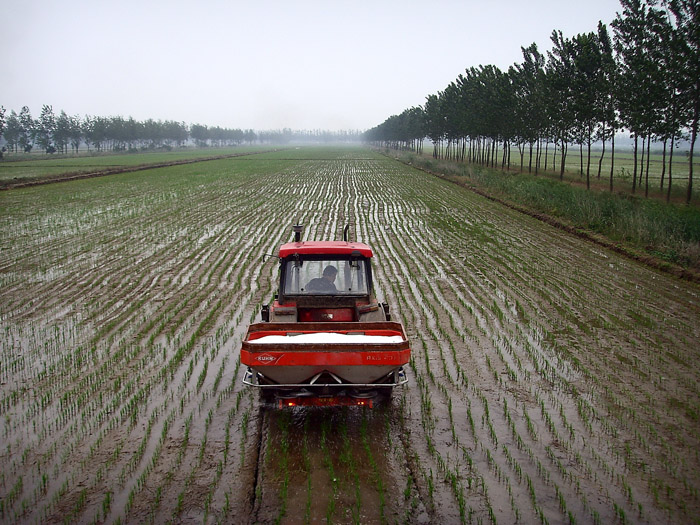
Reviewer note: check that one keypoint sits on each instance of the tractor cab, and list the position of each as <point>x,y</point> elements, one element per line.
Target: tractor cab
<point>325,268</point>
<point>325,281</point>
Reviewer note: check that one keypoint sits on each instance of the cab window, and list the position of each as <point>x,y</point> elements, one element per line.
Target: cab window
<point>318,277</point>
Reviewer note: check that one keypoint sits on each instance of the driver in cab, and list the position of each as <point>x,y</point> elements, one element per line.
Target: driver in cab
<point>326,283</point>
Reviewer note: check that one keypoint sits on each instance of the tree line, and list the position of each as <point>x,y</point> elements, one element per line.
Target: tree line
<point>644,79</point>
<point>67,134</point>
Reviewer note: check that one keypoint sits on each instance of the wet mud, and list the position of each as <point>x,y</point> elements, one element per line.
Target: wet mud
<point>551,379</point>
<point>337,465</point>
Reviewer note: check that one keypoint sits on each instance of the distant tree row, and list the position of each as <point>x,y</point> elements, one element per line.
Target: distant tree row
<point>646,80</point>
<point>64,133</point>
<point>206,136</point>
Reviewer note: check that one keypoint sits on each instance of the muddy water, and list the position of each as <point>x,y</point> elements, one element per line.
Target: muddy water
<point>338,465</point>
<point>550,381</point>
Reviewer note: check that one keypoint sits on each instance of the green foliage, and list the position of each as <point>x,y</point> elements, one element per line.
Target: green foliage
<point>589,87</point>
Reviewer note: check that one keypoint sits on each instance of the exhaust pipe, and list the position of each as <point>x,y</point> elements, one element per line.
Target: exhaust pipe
<point>297,229</point>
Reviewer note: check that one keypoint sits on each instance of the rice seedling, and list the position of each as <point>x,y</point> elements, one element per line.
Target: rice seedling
<point>513,327</point>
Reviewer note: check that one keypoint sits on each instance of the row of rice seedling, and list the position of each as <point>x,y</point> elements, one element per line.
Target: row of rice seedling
<point>124,300</point>
<point>239,321</point>
<point>337,467</point>
<point>130,345</point>
<point>549,365</point>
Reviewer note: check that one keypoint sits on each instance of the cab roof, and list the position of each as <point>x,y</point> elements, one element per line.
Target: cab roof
<point>324,248</point>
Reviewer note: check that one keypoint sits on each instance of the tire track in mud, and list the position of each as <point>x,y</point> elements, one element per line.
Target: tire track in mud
<point>535,394</point>
<point>346,464</point>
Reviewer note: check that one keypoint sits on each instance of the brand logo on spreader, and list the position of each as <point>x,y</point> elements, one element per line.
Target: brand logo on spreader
<point>266,358</point>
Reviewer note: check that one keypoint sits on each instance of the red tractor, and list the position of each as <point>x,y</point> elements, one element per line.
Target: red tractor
<point>325,340</point>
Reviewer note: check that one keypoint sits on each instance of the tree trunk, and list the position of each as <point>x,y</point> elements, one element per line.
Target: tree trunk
<point>588,158</point>
<point>694,136</point>
<point>612,160</point>
<point>521,149</point>
<point>602,155</point>
<point>646,183</point>
<point>663,165</point>
<point>641,164</point>
<point>670,170</point>
<point>546,154</point>
<point>563,160</point>
<point>634,173</point>
<point>588,164</point>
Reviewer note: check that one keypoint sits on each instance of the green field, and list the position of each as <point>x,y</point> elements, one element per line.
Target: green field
<point>39,166</point>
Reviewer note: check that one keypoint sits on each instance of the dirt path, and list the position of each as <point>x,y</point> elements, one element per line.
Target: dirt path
<point>551,380</point>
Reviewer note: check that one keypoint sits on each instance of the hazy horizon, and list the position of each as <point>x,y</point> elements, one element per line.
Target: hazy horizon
<point>306,65</point>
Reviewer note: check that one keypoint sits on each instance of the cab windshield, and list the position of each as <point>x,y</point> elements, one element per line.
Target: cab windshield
<point>319,277</point>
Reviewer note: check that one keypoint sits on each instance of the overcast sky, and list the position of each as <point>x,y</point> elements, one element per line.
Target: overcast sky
<point>264,64</point>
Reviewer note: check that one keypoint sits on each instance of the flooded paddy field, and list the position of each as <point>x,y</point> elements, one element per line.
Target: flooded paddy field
<point>551,381</point>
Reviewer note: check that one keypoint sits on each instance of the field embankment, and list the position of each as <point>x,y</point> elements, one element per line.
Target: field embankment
<point>551,380</point>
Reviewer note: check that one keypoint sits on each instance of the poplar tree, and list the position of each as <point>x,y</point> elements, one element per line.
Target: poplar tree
<point>2,125</point>
<point>606,102</point>
<point>26,130</point>
<point>45,127</point>
<point>530,116</point>
<point>687,32</point>
<point>61,135</point>
<point>561,73</point>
